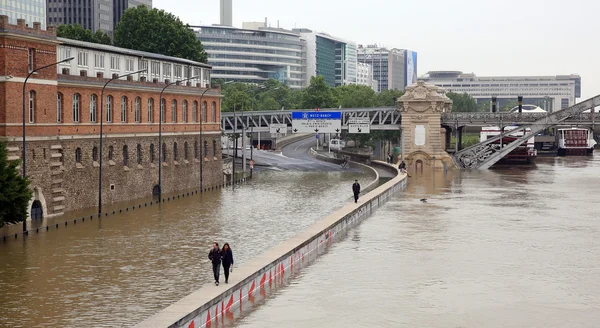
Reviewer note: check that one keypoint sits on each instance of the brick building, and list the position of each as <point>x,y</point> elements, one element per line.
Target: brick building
<point>63,113</point>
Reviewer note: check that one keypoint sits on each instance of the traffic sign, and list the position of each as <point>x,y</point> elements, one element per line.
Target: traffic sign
<point>359,125</point>
<point>317,122</point>
<point>278,128</point>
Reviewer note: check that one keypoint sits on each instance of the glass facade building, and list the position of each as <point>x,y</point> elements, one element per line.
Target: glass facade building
<point>29,10</point>
<point>254,56</point>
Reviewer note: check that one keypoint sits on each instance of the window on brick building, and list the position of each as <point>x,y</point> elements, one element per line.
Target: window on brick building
<point>32,106</point>
<point>214,148</point>
<point>139,154</point>
<point>185,151</point>
<point>164,152</point>
<point>111,153</point>
<point>155,66</point>
<point>167,70</point>
<point>99,60</point>
<point>205,148</point>
<point>95,154</point>
<point>76,107</point>
<point>150,110</point>
<point>175,157</point>
<point>59,106</point>
<point>162,110</point>
<point>125,155</point>
<point>184,111</point>
<point>196,149</point>
<point>30,59</point>
<point>203,117</point>
<point>195,111</point>
<point>109,109</point>
<point>214,111</point>
<point>151,153</point>
<point>143,64</point>
<point>82,58</point>
<point>93,107</point>
<point>78,155</point>
<point>115,63</point>
<point>177,72</point>
<point>129,65</point>
<point>174,111</point>
<point>138,110</point>
<point>124,109</point>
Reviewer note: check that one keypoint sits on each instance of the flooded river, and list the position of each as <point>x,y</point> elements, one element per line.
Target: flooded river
<point>498,248</point>
<point>121,269</point>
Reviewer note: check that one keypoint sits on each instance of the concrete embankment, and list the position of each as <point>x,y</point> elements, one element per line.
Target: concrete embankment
<point>251,282</point>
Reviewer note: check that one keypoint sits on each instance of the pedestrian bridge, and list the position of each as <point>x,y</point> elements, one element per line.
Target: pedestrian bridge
<point>388,118</point>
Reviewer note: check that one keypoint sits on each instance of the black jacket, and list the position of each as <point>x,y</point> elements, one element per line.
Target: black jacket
<point>402,166</point>
<point>227,257</point>
<point>214,255</point>
<point>356,187</point>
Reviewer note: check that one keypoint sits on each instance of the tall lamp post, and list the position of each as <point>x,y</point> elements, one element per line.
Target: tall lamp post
<point>33,71</point>
<point>160,120</point>
<point>101,135</point>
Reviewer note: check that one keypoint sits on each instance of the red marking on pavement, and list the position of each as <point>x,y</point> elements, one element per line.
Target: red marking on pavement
<point>222,307</point>
<point>262,280</point>
<point>302,257</point>
<point>240,300</point>
<point>217,312</point>
<point>251,288</point>
<point>282,270</point>
<point>270,278</point>
<point>229,304</point>
<point>208,321</point>
<point>191,325</point>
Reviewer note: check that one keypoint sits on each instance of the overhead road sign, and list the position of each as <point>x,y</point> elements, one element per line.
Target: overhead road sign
<point>359,125</point>
<point>278,128</point>
<point>316,122</point>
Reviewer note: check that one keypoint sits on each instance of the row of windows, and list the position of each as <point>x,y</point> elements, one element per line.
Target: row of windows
<point>152,153</point>
<point>77,101</point>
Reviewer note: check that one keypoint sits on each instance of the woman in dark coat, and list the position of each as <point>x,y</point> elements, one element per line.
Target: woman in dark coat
<point>227,256</point>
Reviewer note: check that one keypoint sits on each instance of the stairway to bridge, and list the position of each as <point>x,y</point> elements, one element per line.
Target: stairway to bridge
<point>485,154</point>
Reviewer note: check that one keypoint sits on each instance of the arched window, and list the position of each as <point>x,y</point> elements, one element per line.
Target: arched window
<point>185,151</point>
<point>109,109</point>
<point>125,155</point>
<point>162,110</point>
<point>150,110</point>
<point>164,152</point>
<point>174,111</point>
<point>215,148</point>
<point>124,109</point>
<point>184,111</point>
<point>205,148</point>
<point>78,155</point>
<point>214,111</point>
<point>175,157</point>
<point>151,153</point>
<point>76,99</point>
<point>203,115</point>
<point>95,154</point>
<point>31,106</point>
<point>139,154</point>
<point>138,110</point>
<point>195,111</point>
<point>111,153</point>
<point>93,102</point>
<point>196,149</point>
<point>59,107</point>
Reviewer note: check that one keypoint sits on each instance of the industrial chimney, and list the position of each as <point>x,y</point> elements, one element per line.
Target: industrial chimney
<point>227,12</point>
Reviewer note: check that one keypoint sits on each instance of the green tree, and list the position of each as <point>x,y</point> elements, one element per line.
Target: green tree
<point>101,37</point>
<point>318,94</point>
<point>510,104</point>
<point>77,32</point>
<point>157,31</point>
<point>484,106</point>
<point>462,102</point>
<point>386,97</point>
<point>15,195</point>
<point>355,96</point>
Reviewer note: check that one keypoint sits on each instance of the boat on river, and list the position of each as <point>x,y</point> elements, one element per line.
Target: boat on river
<point>523,154</point>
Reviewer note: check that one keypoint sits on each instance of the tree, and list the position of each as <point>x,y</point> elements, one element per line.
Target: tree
<point>77,32</point>
<point>462,102</point>
<point>355,96</point>
<point>157,31</point>
<point>386,97</point>
<point>15,195</point>
<point>318,94</point>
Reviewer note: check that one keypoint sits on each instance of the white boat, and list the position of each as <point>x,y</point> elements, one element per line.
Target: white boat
<point>575,142</point>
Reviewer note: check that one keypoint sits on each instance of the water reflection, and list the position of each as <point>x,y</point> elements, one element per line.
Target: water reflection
<point>123,268</point>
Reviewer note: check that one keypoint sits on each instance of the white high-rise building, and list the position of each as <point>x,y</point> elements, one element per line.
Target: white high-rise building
<point>364,76</point>
<point>29,10</point>
<point>227,12</point>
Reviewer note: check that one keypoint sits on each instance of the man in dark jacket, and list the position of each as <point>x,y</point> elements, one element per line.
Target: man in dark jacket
<point>356,190</point>
<point>215,256</point>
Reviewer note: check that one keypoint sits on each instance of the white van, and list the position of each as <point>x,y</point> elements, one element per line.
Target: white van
<point>337,144</point>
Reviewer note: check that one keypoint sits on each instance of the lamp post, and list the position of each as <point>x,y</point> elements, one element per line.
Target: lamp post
<point>160,120</point>
<point>101,135</point>
<point>33,71</point>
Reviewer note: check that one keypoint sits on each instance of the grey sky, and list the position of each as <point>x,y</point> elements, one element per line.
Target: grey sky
<point>509,37</point>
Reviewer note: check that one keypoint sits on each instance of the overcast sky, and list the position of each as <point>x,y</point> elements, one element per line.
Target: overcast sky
<point>508,37</point>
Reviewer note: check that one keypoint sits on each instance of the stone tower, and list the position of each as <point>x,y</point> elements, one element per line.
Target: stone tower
<point>423,136</point>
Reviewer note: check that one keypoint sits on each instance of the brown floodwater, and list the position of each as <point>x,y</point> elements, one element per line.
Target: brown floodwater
<point>515,247</point>
<point>120,269</point>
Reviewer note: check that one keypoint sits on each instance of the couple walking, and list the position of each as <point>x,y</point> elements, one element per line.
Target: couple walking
<point>221,256</point>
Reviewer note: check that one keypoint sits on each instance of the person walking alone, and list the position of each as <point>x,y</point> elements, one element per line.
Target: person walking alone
<point>215,256</point>
<point>356,190</point>
<point>227,256</point>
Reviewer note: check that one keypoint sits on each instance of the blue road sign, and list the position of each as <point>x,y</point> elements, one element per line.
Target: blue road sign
<point>316,115</point>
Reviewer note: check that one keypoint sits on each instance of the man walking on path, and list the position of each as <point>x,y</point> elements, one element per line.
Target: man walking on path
<point>215,256</point>
<point>356,190</point>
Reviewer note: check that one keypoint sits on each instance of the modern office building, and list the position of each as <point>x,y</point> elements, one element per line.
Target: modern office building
<point>364,76</point>
<point>392,68</point>
<point>549,92</point>
<point>226,12</point>
<point>255,55</point>
<point>333,58</point>
<point>29,10</point>
<point>91,14</point>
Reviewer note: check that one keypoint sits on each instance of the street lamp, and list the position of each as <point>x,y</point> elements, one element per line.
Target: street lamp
<point>24,95</point>
<point>101,136</point>
<point>160,120</point>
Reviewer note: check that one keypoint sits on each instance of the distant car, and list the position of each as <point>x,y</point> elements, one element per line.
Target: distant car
<point>337,144</point>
